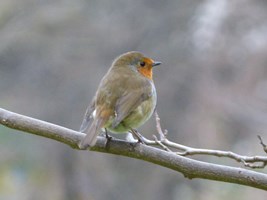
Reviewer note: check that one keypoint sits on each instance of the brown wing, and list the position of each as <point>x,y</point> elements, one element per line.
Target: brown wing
<point>130,101</point>
<point>100,98</point>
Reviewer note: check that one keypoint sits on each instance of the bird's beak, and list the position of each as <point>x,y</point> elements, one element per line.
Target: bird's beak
<point>155,63</point>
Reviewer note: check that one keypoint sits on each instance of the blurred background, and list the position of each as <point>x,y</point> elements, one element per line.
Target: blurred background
<point>212,91</point>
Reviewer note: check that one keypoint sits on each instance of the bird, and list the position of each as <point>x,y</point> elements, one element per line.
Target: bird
<point>125,99</point>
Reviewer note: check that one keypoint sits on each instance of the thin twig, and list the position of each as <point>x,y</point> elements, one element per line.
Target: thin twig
<point>247,161</point>
<point>162,135</point>
<point>262,144</point>
<point>161,144</point>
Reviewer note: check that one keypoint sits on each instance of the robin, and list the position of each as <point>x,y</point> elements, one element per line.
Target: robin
<point>125,99</point>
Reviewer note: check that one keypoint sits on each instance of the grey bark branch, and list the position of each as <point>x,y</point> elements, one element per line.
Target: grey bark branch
<point>188,167</point>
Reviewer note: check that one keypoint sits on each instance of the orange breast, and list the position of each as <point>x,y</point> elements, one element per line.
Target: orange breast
<point>145,71</point>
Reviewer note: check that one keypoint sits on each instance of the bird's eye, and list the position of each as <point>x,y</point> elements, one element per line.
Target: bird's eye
<point>142,64</point>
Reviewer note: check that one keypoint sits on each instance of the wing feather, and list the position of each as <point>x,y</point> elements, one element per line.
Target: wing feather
<point>129,102</point>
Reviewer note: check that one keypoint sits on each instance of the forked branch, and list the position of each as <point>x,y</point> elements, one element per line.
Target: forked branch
<point>190,168</point>
<point>248,161</point>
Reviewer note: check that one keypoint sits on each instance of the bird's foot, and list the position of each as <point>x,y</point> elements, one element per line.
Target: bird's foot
<point>140,138</point>
<point>108,137</point>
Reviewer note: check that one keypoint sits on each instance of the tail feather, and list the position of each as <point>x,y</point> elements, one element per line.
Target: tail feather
<point>92,133</point>
<point>88,116</point>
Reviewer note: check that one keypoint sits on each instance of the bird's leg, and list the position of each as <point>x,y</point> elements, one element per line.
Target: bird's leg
<point>138,135</point>
<point>108,137</point>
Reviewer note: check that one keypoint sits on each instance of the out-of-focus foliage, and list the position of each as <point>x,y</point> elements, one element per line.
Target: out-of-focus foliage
<point>212,91</point>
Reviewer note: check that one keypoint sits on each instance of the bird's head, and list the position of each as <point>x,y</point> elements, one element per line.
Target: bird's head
<point>136,62</point>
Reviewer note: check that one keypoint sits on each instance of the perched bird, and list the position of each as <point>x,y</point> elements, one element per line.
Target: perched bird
<point>125,99</point>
